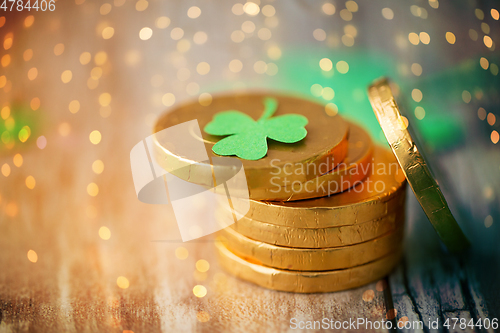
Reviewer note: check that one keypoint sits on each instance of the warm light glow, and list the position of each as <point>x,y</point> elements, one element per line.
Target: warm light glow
<point>466,96</point>
<point>5,60</point>
<point>251,8</point>
<point>274,52</point>
<point>181,253</point>
<point>413,38</point>
<point>237,9</point>
<point>59,49</point>
<point>248,27</point>
<point>488,41</point>
<point>194,12</point>
<point>18,160</point>
<point>417,95</point>
<point>32,73</point>
<point>416,69</point>
<point>425,38</point>
<point>35,103</point>
<point>342,67</point>
<point>100,58</point>
<point>484,63</point>
<point>28,54</point>
<point>235,66</point>
<point>202,265</point>
<point>41,142</point>
<point>237,36</point>
<point>495,137</point>
<point>419,112</point>
<point>494,14</point>
<point>479,14</point>
<point>66,76</point>
<point>85,58</point>
<point>122,282</point>
<point>104,99</point>
<point>168,99</point>
<point>162,22</point>
<point>108,32</point>
<point>28,21</point>
<point>6,170</point>
<point>450,37</point>
<point>30,182</point>
<point>64,129</point>
<point>95,137</point>
<point>328,8</point>
<point>92,189</point>
<point>351,6</point>
<point>319,35</point>
<point>200,38</point>
<point>24,133</point>
<point>268,11</point>
<point>141,5</point>
<point>205,99</point>
<point>331,109</point>
<point>264,34</point>
<point>104,233</point>
<point>203,68</point>
<point>145,33</point>
<point>176,33</point>
<point>328,93</point>
<point>105,9</point>
<point>32,256</point>
<point>346,15</point>
<point>74,106</point>
<point>98,167</point>
<point>491,119</point>
<point>199,291</point>
<point>326,64</point>
<point>387,13</point>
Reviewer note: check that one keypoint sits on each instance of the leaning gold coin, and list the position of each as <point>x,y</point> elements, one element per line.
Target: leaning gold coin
<point>380,193</point>
<point>316,238</point>
<point>311,259</point>
<point>306,282</point>
<point>324,147</point>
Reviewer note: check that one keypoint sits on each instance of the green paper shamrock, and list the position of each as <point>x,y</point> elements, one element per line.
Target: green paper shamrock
<point>247,138</point>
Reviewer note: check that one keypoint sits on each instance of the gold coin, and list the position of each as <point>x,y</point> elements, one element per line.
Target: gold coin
<point>324,147</point>
<point>414,166</point>
<point>380,193</point>
<point>320,237</point>
<point>306,282</point>
<point>311,259</point>
<point>349,172</point>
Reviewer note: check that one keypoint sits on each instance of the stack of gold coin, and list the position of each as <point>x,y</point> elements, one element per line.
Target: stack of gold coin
<point>325,214</point>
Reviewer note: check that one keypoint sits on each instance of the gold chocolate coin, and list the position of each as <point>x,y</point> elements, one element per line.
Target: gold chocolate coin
<point>324,147</point>
<point>349,172</point>
<point>306,282</point>
<point>415,168</point>
<point>380,193</point>
<point>320,237</point>
<point>311,259</point>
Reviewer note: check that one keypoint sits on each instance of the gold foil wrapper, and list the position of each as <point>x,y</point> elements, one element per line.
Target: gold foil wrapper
<point>319,237</point>
<point>303,281</point>
<point>311,259</point>
<point>324,147</point>
<point>380,193</point>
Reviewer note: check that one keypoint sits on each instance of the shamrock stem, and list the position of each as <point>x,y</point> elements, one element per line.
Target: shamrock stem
<point>270,106</point>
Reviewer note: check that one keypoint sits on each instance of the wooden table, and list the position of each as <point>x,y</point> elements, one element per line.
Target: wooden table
<point>72,286</point>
